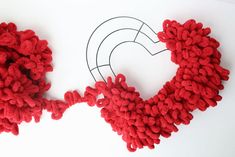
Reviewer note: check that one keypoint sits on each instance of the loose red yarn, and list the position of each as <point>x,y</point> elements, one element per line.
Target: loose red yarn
<point>24,61</point>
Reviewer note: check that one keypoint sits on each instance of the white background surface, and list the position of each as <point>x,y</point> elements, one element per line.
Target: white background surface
<point>67,26</point>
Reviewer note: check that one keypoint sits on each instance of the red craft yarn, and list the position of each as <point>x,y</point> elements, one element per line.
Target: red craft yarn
<point>24,62</point>
<point>141,123</point>
<point>196,85</point>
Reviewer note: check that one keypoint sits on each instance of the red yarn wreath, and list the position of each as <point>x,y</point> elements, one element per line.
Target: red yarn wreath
<point>25,59</point>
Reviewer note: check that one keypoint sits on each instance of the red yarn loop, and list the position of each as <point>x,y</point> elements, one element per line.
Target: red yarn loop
<point>25,59</point>
<point>24,62</point>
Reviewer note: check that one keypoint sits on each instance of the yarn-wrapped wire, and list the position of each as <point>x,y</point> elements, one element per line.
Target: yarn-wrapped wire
<point>25,59</point>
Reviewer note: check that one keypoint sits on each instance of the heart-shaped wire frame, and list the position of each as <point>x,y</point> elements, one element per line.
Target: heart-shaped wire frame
<point>137,30</point>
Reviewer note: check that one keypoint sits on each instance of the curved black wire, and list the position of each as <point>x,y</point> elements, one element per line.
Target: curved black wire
<point>134,41</point>
<point>130,42</point>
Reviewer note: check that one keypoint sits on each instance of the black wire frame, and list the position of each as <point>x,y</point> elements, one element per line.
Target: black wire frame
<point>132,41</point>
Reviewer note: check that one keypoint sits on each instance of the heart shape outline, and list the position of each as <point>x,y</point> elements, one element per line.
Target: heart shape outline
<point>196,85</point>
